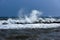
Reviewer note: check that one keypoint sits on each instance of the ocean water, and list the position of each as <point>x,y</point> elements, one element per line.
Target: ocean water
<point>30,27</point>
<point>10,30</point>
<point>30,34</point>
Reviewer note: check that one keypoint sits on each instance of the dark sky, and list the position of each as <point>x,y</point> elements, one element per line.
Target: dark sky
<point>48,7</point>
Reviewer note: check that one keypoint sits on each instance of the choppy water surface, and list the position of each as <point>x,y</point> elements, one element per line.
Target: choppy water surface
<point>12,29</point>
<point>30,34</point>
<point>30,27</point>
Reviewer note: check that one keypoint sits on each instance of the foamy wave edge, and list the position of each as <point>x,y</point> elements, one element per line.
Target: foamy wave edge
<point>24,26</point>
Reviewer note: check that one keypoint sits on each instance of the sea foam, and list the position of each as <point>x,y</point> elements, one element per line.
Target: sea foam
<point>34,17</point>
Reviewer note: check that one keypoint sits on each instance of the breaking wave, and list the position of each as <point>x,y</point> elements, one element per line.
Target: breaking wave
<point>31,21</point>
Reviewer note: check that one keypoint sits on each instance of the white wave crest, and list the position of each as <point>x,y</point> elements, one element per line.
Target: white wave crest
<point>12,23</point>
<point>23,26</point>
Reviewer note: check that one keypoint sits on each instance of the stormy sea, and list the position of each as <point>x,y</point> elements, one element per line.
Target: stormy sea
<point>30,27</point>
<point>41,32</point>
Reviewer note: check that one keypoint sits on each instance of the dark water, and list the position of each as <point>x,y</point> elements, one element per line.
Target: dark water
<point>30,34</point>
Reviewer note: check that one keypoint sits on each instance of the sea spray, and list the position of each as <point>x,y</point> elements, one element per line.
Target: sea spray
<point>33,17</point>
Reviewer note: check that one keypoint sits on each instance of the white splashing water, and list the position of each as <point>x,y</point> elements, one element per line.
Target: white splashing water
<point>32,18</point>
<point>34,15</point>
